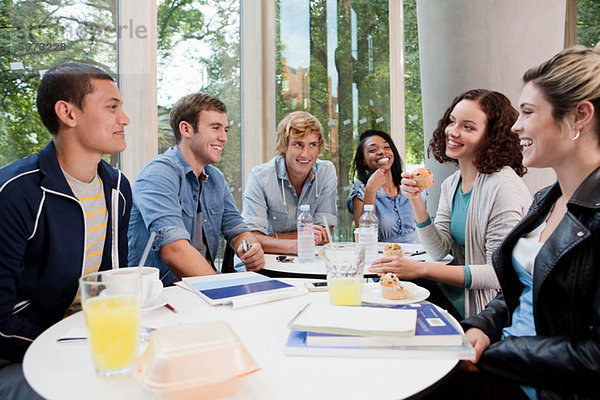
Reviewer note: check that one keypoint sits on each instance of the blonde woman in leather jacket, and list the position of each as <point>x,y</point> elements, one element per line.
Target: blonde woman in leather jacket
<point>540,338</point>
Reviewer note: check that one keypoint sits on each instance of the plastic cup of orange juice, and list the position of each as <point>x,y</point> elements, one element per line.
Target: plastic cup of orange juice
<point>111,304</point>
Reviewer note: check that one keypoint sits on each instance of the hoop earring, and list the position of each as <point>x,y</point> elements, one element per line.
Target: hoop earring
<point>576,136</point>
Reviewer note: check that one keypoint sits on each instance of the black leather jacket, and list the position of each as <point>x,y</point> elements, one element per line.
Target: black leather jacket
<point>563,359</point>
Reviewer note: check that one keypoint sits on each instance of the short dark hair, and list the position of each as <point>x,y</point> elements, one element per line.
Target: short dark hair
<point>501,146</point>
<point>359,166</point>
<point>67,82</point>
<point>188,109</point>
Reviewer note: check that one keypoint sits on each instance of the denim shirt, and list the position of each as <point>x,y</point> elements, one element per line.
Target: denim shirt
<point>396,218</point>
<point>165,201</point>
<point>271,202</point>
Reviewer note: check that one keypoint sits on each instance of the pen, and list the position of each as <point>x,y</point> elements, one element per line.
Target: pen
<point>245,245</point>
<point>170,307</point>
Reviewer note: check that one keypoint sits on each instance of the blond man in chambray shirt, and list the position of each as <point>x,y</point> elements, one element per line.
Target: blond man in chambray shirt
<point>296,176</point>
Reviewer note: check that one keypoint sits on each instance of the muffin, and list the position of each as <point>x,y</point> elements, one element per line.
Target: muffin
<point>392,289</point>
<point>393,249</point>
<point>423,177</point>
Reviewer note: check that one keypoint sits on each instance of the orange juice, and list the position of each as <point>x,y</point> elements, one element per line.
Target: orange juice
<point>113,329</point>
<point>345,291</point>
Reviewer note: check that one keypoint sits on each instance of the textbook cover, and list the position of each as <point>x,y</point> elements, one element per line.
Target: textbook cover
<point>240,289</point>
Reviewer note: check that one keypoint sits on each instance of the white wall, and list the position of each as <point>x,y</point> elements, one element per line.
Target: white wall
<point>482,44</point>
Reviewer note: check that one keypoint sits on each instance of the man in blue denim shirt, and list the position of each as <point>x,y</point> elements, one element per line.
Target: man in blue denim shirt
<point>296,176</point>
<point>185,200</point>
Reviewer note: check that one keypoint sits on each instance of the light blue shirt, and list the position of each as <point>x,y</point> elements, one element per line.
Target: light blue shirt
<point>165,201</point>
<point>271,202</point>
<point>396,218</point>
<point>523,323</point>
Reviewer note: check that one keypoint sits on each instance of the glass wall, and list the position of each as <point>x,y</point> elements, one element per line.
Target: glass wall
<point>588,22</point>
<point>333,61</point>
<point>35,35</point>
<point>412,88</point>
<point>199,51</point>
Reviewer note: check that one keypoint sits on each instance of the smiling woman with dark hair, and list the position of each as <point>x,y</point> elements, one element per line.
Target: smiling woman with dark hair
<point>479,203</point>
<point>378,167</point>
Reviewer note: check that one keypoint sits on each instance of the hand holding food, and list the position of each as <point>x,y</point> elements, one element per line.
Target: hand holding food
<point>423,177</point>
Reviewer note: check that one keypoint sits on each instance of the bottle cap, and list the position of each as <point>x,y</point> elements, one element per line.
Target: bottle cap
<point>368,207</point>
<point>305,207</point>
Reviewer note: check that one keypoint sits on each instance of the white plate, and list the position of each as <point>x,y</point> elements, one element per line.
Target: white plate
<point>372,294</point>
<point>155,302</point>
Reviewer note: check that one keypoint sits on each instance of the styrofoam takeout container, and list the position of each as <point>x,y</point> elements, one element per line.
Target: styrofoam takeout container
<point>195,361</point>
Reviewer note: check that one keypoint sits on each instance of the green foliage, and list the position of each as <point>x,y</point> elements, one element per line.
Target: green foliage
<point>356,96</point>
<point>588,22</point>
<point>39,35</point>
<point>179,20</point>
<point>412,86</point>
<point>212,28</point>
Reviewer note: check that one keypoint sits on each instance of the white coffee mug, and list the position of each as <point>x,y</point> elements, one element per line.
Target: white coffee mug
<point>151,283</point>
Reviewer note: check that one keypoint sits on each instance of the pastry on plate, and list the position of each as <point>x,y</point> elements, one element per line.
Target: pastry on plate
<point>391,288</point>
<point>393,249</point>
<point>423,177</point>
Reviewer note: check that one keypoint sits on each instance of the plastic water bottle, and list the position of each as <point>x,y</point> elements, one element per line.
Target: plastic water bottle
<point>368,225</point>
<point>306,236</point>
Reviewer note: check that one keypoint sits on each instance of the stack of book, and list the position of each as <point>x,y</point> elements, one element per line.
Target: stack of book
<point>397,331</point>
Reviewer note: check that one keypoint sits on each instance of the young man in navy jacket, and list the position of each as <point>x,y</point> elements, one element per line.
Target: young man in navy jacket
<point>57,209</point>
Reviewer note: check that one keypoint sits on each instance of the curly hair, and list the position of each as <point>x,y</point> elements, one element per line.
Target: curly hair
<point>501,145</point>
<point>359,166</point>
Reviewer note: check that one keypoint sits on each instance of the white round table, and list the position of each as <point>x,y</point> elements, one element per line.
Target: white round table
<point>65,371</point>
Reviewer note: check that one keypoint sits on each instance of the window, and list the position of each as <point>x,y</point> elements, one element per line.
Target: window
<point>412,88</point>
<point>198,51</point>
<point>588,22</point>
<point>333,60</point>
<point>35,35</point>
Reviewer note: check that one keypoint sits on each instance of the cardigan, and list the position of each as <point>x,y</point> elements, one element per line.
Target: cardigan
<point>498,202</point>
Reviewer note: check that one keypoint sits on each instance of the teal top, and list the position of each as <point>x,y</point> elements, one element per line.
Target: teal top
<point>458,221</point>
<point>460,208</point>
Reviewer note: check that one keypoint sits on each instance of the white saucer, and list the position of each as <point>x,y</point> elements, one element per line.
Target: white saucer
<point>372,294</point>
<point>155,302</point>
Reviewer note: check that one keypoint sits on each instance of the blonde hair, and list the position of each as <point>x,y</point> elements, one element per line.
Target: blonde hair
<point>298,124</point>
<point>568,78</point>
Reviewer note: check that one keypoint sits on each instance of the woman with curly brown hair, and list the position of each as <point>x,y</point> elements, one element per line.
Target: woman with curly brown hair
<point>478,206</point>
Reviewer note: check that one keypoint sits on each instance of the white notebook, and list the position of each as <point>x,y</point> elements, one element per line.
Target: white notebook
<point>349,320</point>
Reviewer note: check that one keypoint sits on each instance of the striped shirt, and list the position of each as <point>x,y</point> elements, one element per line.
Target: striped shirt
<point>91,197</point>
